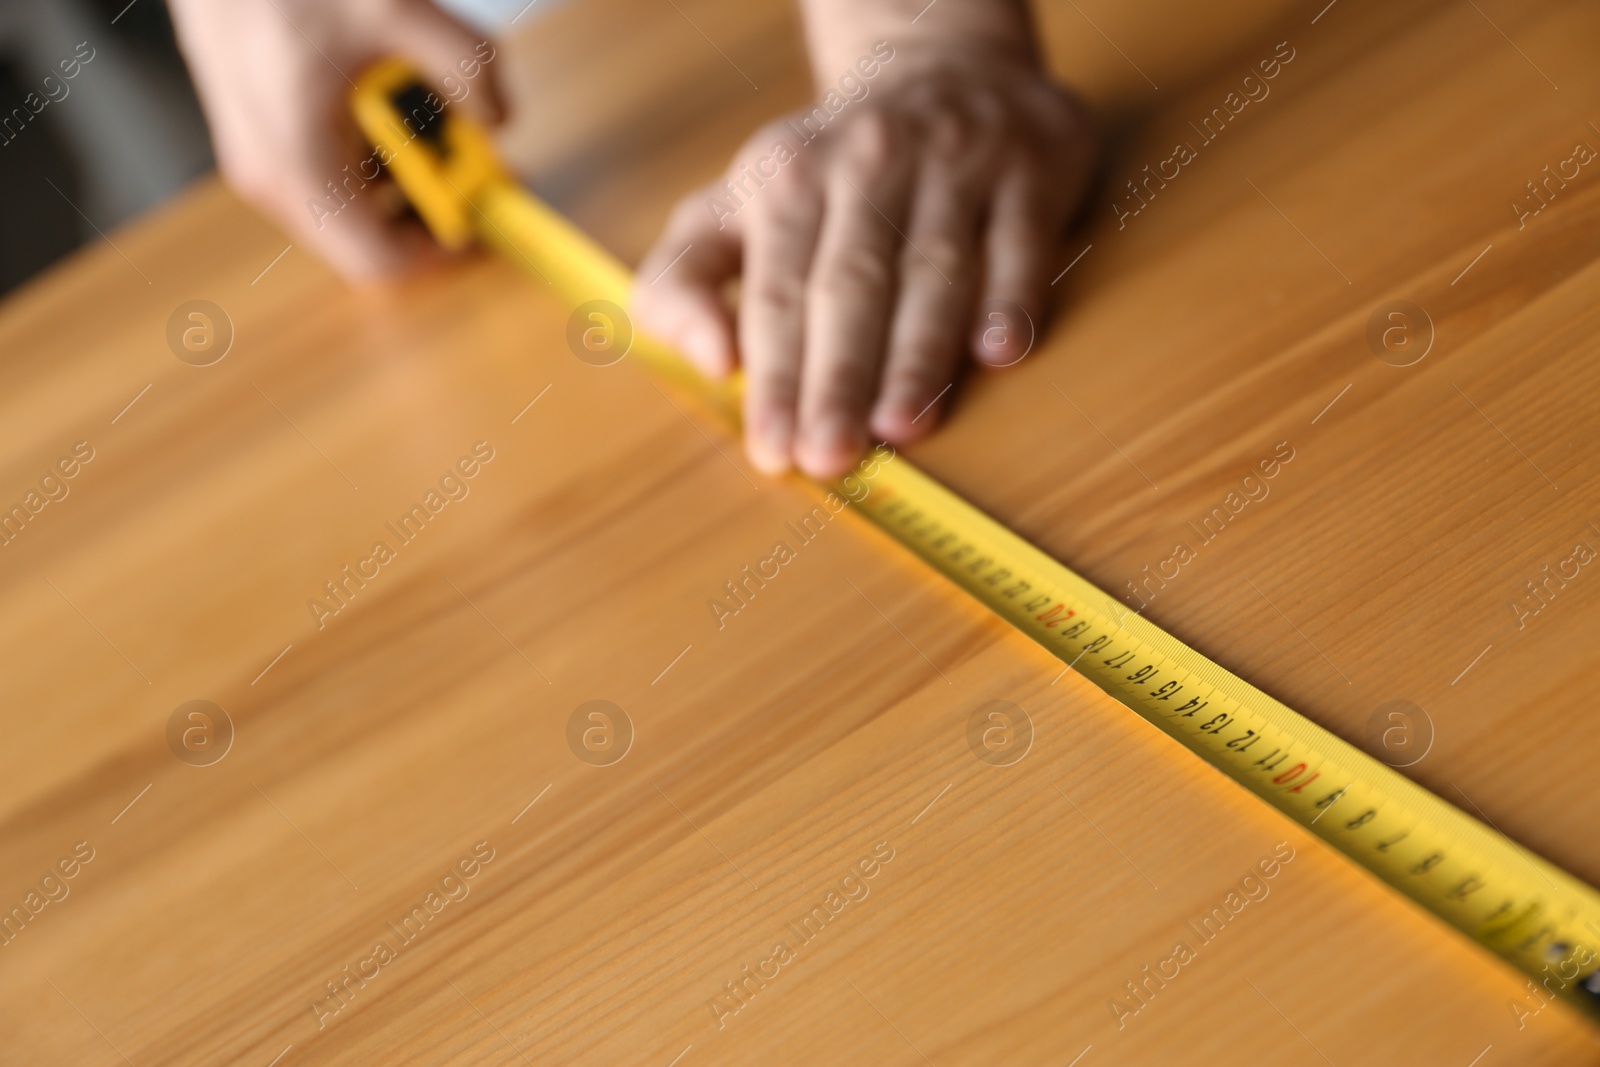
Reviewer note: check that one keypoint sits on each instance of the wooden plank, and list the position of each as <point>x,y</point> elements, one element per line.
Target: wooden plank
<point>824,725</point>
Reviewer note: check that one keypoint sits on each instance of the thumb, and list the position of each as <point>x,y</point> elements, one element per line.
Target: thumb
<point>451,56</point>
<point>678,290</point>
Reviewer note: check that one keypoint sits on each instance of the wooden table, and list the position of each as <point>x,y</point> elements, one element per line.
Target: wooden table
<point>812,753</point>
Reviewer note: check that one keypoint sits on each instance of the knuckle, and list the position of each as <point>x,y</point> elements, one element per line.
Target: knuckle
<point>787,213</point>
<point>777,294</point>
<point>773,385</point>
<point>689,214</point>
<point>951,136</point>
<point>1032,156</point>
<point>765,137</point>
<point>791,179</point>
<point>869,143</point>
<point>989,108</point>
<point>939,254</point>
<point>797,187</point>
<point>853,273</point>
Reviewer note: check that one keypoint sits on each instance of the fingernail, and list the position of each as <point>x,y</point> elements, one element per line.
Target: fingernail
<point>988,348</point>
<point>832,444</point>
<point>770,440</point>
<point>896,419</point>
<point>1003,334</point>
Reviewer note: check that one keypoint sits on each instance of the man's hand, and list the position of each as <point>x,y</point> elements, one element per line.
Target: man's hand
<point>274,76</point>
<point>874,252</point>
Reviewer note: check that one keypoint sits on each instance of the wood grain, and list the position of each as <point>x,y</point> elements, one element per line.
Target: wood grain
<point>827,719</point>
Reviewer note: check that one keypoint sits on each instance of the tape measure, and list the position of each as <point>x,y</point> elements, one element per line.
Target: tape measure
<point>1521,907</point>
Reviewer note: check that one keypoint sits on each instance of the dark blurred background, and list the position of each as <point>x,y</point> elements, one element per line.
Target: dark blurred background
<point>118,138</point>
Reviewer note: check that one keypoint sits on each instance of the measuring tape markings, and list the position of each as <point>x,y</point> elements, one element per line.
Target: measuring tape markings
<point>1413,840</point>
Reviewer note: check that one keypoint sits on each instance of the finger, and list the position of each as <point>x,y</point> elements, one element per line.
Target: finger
<point>849,296</point>
<point>451,56</point>
<point>363,245</point>
<point>781,228</point>
<point>1018,248</point>
<point>939,271</point>
<point>292,186</point>
<point>678,290</point>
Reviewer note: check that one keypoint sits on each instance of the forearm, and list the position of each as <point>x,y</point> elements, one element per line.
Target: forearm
<point>840,32</point>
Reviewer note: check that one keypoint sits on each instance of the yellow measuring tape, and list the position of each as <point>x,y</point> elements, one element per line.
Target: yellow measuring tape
<point>1519,906</point>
